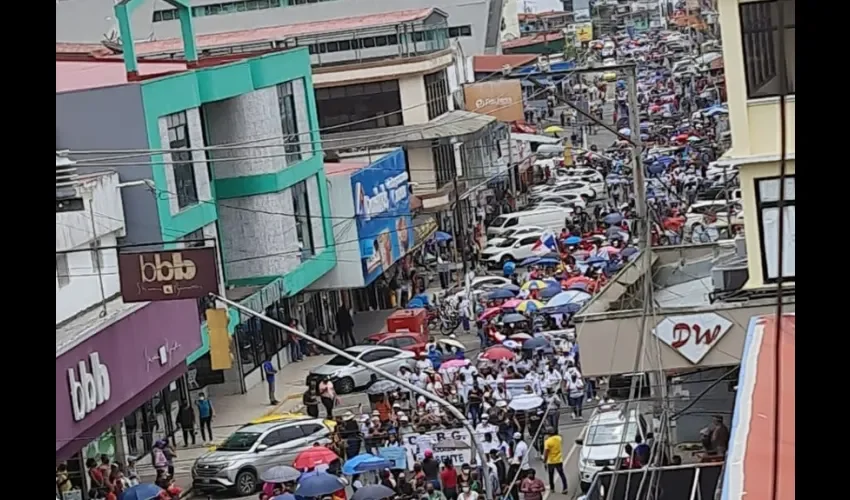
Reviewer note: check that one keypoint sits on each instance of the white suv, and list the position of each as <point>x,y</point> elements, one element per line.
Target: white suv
<point>604,440</point>
<point>512,250</point>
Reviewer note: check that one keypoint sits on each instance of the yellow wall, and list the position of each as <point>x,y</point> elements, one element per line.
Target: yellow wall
<point>749,174</point>
<point>754,123</point>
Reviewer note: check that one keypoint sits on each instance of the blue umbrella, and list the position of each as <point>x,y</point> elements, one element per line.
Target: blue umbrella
<point>144,491</point>
<point>548,261</point>
<point>613,218</point>
<point>513,318</point>
<point>570,308</point>
<point>572,240</point>
<point>656,168</point>
<point>501,293</point>
<point>529,261</point>
<point>550,291</point>
<point>628,251</point>
<point>319,485</point>
<point>511,287</point>
<point>373,492</point>
<point>441,236</point>
<point>595,261</point>
<point>415,303</point>
<point>568,297</point>
<point>363,463</point>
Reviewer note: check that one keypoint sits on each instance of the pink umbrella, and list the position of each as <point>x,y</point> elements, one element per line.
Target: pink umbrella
<point>455,363</point>
<point>512,304</point>
<point>520,337</point>
<point>489,313</point>
<point>609,250</point>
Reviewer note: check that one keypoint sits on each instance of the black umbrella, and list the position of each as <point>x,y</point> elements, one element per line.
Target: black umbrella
<point>535,343</point>
<point>373,492</point>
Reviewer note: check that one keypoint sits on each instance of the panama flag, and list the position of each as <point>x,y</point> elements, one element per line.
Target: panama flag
<point>546,244</point>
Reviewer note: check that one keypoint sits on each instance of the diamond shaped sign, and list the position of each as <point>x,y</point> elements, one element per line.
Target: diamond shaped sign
<point>692,335</point>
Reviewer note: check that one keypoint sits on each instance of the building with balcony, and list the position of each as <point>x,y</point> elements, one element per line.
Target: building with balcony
<point>476,24</point>
<point>752,63</point>
<point>236,160</point>
<point>107,387</point>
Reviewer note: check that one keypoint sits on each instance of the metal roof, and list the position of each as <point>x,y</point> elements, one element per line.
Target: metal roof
<point>451,124</point>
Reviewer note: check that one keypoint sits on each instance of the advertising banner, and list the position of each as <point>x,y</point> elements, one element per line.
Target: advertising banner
<point>583,31</point>
<point>461,447</point>
<point>382,213</point>
<point>396,455</point>
<point>189,273</point>
<point>501,99</point>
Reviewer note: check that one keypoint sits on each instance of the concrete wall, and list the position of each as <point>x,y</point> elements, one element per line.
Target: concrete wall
<point>348,272</point>
<point>412,92</point>
<point>380,70</point>
<point>82,291</point>
<point>421,162</point>
<point>112,118</point>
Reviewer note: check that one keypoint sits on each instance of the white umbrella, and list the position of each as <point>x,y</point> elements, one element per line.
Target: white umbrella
<point>452,342</point>
<point>526,402</point>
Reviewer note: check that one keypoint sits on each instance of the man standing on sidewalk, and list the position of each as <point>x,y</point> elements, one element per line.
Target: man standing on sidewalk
<point>186,422</point>
<point>344,326</point>
<point>269,370</point>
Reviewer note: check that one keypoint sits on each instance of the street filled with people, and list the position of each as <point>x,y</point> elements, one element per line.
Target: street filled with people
<point>463,423</point>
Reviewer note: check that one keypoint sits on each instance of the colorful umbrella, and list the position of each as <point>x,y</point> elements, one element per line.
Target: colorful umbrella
<point>454,363</point>
<point>511,304</point>
<point>609,250</point>
<point>529,306</point>
<point>363,463</point>
<point>511,344</point>
<point>489,313</point>
<point>496,353</point>
<point>312,457</point>
<point>534,285</point>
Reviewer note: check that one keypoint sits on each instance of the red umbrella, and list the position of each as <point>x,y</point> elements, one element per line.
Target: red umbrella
<point>489,313</point>
<point>313,457</point>
<point>578,279</point>
<point>497,352</point>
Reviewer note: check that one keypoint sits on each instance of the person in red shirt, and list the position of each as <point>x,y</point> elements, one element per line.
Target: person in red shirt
<point>448,477</point>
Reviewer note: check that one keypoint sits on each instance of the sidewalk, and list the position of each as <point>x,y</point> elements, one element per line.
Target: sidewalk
<point>232,412</point>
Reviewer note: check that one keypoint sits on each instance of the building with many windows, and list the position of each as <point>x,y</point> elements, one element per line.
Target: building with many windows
<point>234,158</point>
<point>476,24</point>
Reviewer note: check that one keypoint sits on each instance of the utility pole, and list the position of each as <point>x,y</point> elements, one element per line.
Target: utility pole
<point>726,195</point>
<point>461,238</point>
<point>511,165</point>
<point>448,407</point>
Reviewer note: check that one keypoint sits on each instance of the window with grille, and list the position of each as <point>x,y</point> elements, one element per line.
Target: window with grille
<point>303,225</point>
<point>445,164</point>
<point>289,121</point>
<point>767,202</point>
<point>184,169</point>
<point>437,94</point>
<point>761,37</point>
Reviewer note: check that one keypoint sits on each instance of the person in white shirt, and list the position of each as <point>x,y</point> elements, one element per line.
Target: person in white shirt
<point>575,394</point>
<point>552,379</point>
<point>467,494</point>
<point>423,363</point>
<point>485,427</point>
<point>520,448</point>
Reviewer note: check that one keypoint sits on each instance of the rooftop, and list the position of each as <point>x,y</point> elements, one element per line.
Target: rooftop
<point>81,75</point>
<point>532,40</point>
<point>278,33</point>
<point>752,448</point>
<point>344,167</point>
<point>491,62</point>
<point>77,330</point>
<point>451,124</point>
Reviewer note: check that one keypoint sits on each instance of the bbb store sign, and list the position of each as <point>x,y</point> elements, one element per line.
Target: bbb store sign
<point>382,213</point>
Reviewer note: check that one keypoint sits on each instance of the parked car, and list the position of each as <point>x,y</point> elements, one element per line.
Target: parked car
<point>512,233</point>
<point>238,462</point>
<point>564,199</point>
<point>703,213</point>
<point>601,444</point>
<point>580,188</point>
<point>408,341</point>
<point>515,250</point>
<point>348,377</point>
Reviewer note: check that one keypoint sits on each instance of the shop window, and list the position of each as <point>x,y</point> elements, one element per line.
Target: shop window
<point>303,226</point>
<point>359,107</point>
<point>457,31</point>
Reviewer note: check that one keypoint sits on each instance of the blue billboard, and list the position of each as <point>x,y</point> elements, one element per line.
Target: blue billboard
<point>382,213</point>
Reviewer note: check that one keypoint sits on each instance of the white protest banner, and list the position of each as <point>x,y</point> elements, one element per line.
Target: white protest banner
<point>516,387</point>
<point>461,452</point>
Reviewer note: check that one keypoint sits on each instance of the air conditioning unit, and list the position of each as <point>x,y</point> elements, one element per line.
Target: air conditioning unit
<point>68,198</point>
<point>730,276</point>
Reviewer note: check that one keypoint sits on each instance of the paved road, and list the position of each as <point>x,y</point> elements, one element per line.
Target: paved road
<point>569,430</point>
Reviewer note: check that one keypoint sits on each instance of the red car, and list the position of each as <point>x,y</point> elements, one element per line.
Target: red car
<point>408,341</point>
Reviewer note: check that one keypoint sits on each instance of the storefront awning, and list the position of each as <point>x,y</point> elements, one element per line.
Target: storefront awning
<point>424,225</point>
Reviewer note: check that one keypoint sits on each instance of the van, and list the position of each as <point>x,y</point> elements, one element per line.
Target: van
<point>553,218</point>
